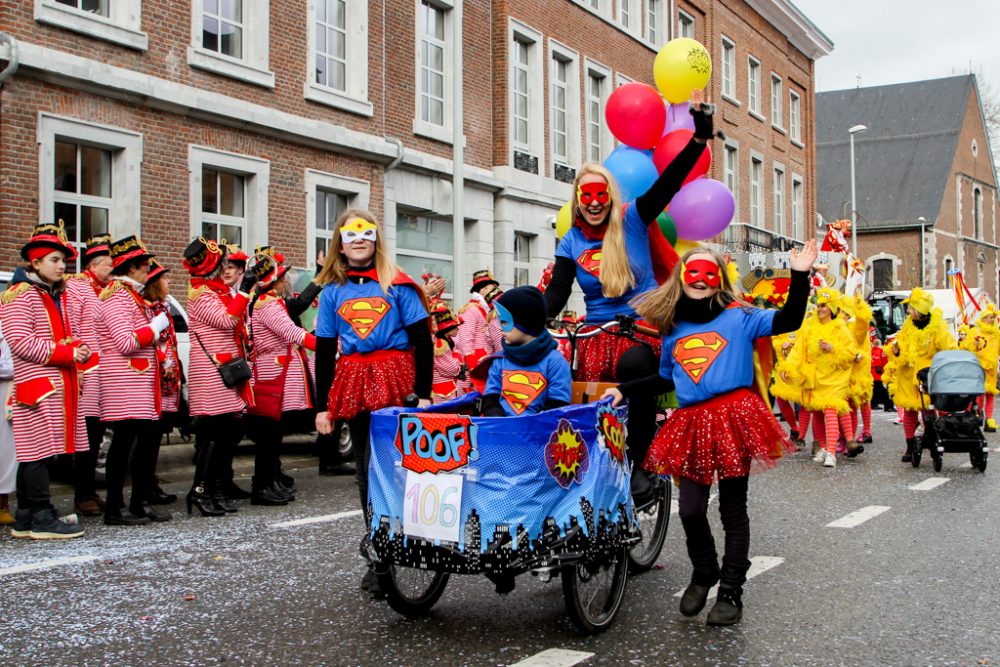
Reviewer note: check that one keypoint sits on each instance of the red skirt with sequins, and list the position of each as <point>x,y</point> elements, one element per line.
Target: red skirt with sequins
<point>718,437</point>
<point>598,355</point>
<point>371,381</point>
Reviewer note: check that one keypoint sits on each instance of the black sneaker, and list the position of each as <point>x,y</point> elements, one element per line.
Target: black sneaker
<point>46,525</point>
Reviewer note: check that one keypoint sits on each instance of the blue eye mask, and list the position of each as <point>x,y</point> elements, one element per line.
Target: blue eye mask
<point>504,317</point>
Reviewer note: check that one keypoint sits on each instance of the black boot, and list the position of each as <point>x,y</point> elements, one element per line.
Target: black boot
<point>115,515</point>
<point>911,446</point>
<point>147,510</point>
<point>282,491</point>
<point>199,495</point>
<point>285,480</point>
<point>161,497</point>
<point>221,502</point>
<point>263,494</point>
<point>233,491</point>
<point>694,598</point>
<point>728,608</point>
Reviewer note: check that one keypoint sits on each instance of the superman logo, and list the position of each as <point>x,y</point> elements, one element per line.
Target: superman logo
<point>521,388</point>
<point>696,353</point>
<point>590,261</point>
<point>364,314</point>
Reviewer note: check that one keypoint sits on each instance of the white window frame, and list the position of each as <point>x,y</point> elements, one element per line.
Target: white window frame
<point>535,145</point>
<point>731,172</point>
<point>729,70</point>
<point>122,26</point>
<point>357,192</point>
<point>571,58</point>
<point>354,97</point>
<point>520,265</point>
<point>126,167</point>
<point>635,16</point>
<point>777,102</point>
<point>798,207</point>
<point>757,191</point>
<point>449,256</point>
<point>754,88</point>
<point>254,66</point>
<point>795,117</point>
<point>778,197</point>
<point>443,132</point>
<point>683,21</point>
<point>595,69</point>
<point>257,174</point>
<point>655,27</point>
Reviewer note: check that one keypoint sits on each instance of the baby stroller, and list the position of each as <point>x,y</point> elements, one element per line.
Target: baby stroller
<point>954,382</point>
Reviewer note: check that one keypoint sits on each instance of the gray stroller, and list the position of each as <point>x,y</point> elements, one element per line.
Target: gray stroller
<point>954,382</point>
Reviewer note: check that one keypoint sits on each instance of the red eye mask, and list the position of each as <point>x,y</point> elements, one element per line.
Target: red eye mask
<point>702,270</point>
<point>586,194</point>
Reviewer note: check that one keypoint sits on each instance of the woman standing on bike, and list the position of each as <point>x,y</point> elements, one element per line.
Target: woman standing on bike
<point>722,423</point>
<point>607,251</point>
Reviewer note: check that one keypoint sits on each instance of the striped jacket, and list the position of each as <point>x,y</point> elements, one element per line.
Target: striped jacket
<point>215,316</point>
<point>82,306</point>
<point>130,374</point>
<point>447,366</point>
<point>46,387</point>
<point>475,338</point>
<point>278,343</point>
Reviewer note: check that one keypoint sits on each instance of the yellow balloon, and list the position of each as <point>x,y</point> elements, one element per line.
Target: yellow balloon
<point>683,245</point>
<point>681,67</point>
<point>564,220</point>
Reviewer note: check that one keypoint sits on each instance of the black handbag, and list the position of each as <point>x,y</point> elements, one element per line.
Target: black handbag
<point>234,372</point>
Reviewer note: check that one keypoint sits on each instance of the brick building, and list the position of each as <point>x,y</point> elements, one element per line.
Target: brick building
<point>260,121</point>
<point>925,183</point>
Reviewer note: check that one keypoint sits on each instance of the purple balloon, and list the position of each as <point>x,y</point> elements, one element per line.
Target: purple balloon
<point>702,209</point>
<point>678,118</point>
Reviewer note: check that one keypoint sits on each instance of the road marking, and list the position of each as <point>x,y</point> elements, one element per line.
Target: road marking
<point>758,565</point>
<point>46,564</point>
<point>326,518</point>
<point>929,483</point>
<point>859,517</point>
<point>967,464</point>
<point>554,657</point>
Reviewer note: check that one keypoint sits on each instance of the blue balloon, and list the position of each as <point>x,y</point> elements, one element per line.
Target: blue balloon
<point>633,169</point>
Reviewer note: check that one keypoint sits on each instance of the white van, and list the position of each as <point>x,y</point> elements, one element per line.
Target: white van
<point>893,310</point>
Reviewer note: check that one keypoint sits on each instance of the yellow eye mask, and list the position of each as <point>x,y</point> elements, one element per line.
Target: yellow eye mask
<point>358,229</point>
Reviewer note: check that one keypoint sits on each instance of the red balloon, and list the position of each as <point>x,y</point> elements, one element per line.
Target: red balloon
<point>636,115</point>
<point>670,147</point>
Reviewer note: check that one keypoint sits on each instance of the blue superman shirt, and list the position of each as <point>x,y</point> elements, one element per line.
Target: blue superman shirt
<point>525,389</point>
<point>587,256</point>
<point>367,319</point>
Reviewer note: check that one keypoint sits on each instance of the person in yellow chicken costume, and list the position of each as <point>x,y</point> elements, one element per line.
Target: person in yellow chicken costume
<point>862,382</point>
<point>985,337</point>
<point>924,334</point>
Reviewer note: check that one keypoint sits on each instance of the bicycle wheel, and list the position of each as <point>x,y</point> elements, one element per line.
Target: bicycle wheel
<point>412,591</point>
<point>653,520</point>
<point>594,592</point>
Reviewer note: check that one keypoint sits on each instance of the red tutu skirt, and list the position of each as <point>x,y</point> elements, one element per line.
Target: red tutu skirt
<point>718,437</point>
<point>598,355</point>
<point>371,381</point>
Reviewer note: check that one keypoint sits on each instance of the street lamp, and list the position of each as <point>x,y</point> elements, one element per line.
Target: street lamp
<point>923,259</point>
<point>854,208</point>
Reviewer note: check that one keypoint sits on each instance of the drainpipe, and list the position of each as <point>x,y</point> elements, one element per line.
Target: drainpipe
<point>458,156</point>
<point>13,58</point>
<point>399,153</point>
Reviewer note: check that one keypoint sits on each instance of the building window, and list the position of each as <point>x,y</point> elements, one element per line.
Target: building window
<point>798,208</point>
<point>779,200</point>
<point>753,88</point>
<point>420,241</point>
<point>564,115</point>
<point>756,191</point>
<point>89,178</point>
<point>685,25</point>
<point>654,14</point>
<point>882,274</point>
<point>730,169</point>
<point>434,71</point>
<point>522,259</point>
<point>728,68</point>
<point>229,196</point>
<point>327,197</point>
<point>527,113</point>
<point>117,21</point>
<point>977,213</point>
<point>776,96</point>
<point>338,66</point>
<point>519,90</point>
<point>598,85</point>
<point>948,266</point>
<point>795,116</point>
<point>231,38</point>
<point>625,13</point>
<point>560,84</point>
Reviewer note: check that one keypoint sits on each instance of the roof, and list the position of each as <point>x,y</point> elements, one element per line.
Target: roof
<point>903,161</point>
<point>796,26</point>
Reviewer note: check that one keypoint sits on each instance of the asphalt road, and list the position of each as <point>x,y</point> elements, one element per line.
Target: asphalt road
<point>914,582</point>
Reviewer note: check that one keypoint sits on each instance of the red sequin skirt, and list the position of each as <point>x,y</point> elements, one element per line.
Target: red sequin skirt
<point>718,437</point>
<point>371,381</point>
<point>598,355</point>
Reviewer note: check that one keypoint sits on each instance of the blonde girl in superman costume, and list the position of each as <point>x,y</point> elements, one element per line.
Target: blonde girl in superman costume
<point>722,423</point>
<point>379,317</point>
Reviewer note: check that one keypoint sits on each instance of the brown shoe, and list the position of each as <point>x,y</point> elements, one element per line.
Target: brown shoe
<point>6,518</point>
<point>89,507</point>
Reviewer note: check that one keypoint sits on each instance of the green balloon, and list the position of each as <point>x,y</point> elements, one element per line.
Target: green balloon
<point>668,227</point>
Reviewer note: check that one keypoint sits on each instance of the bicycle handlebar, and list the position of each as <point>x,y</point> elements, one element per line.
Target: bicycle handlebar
<point>623,325</point>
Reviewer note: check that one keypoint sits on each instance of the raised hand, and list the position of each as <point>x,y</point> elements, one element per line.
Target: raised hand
<point>803,260</point>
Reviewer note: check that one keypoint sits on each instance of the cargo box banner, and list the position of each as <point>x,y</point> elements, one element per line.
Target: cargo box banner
<point>502,479</point>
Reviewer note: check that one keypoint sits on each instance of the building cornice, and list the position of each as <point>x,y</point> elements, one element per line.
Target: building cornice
<point>796,26</point>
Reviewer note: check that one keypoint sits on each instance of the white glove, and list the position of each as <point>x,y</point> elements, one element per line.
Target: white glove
<point>160,323</point>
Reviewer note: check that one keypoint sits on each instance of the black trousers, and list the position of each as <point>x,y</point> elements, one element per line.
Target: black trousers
<point>215,435</point>
<point>32,485</point>
<point>636,363</point>
<point>267,435</point>
<point>693,510</point>
<point>359,427</point>
<point>85,463</point>
<point>880,397</point>
<point>141,437</point>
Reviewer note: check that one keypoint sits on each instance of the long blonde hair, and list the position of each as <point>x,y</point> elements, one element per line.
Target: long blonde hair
<point>659,306</point>
<point>616,274</point>
<point>335,269</point>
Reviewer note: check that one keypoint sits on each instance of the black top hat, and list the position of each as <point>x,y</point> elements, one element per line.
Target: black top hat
<point>48,236</point>
<point>98,246</point>
<point>481,279</point>
<point>129,248</point>
<point>202,256</point>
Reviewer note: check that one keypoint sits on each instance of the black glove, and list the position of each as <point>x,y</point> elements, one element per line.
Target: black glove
<point>249,280</point>
<point>704,127</point>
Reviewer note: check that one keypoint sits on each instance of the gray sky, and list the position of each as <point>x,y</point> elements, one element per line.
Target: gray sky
<point>893,41</point>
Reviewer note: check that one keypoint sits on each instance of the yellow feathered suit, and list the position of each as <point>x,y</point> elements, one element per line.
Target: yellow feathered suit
<point>862,382</point>
<point>783,345</point>
<point>986,344</point>
<point>824,377</point>
<point>917,348</point>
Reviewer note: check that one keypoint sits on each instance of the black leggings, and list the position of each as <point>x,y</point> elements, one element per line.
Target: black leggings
<point>634,364</point>
<point>33,485</point>
<point>359,426</point>
<point>145,434</point>
<point>267,435</point>
<point>693,509</point>
<point>85,463</point>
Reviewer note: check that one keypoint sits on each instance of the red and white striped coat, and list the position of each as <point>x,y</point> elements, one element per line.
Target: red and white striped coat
<point>474,339</point>
<point>215,316</point>
<point>82,308</point>
<point>277,343</point>
<point>46,410</point>
<point>167,357</point>
<point>447,366</point>
<point>130,372</point>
